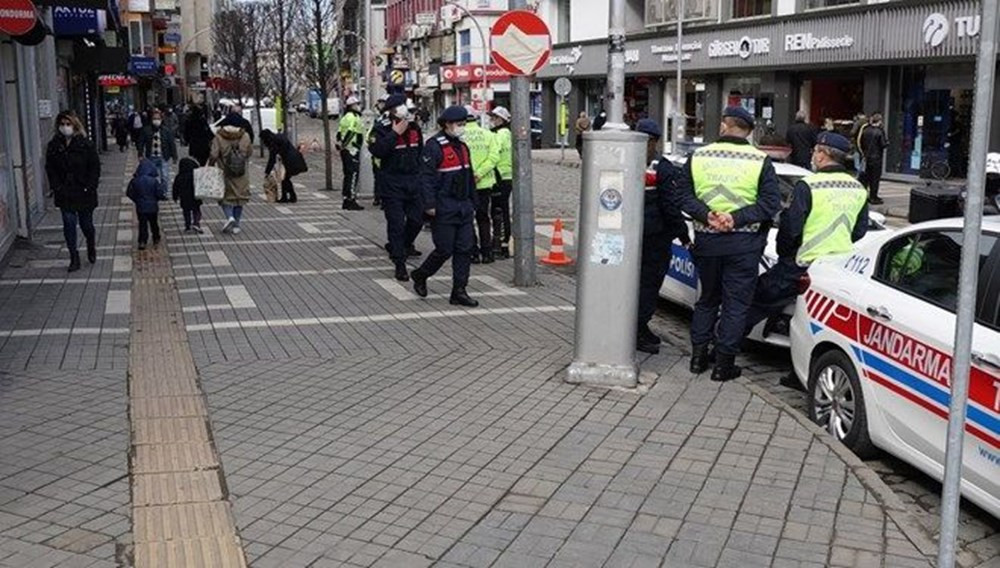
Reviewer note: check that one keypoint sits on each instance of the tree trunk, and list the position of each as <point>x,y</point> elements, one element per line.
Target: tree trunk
<point>322,79</point>
<point>282,63</point>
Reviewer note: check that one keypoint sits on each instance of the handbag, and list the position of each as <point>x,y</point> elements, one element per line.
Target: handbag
<point>209,183</point>
<point>273,181</point>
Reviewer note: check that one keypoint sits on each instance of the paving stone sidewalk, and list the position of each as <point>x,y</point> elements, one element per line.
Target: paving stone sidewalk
<point>358,425</point>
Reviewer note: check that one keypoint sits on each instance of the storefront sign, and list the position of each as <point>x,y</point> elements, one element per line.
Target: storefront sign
<point>667,54</point>
<point>142,65</point>
<point>936,28</point>
<point>424,18</point>
<point>809,42</point>
<point>461,74</point>
<point>568,60</point>
<point>744,47</point>
<point>631,56</point>
<point>115,81</point>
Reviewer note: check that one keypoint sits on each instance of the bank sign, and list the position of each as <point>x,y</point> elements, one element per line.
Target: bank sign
<point>926,31</point>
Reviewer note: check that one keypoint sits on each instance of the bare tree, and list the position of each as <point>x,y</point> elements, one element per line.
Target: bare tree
<point>317,22</point>
<point>232,35</point>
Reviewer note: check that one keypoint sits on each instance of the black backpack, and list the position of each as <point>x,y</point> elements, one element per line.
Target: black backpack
<point>234,162</point>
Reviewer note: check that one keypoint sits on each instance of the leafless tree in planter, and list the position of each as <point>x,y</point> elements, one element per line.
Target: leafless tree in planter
<point>317,21</point>
<point>232,35</point>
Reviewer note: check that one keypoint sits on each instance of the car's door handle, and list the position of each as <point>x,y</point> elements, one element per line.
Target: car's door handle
<point>879,312</point>
<point>986,360</point>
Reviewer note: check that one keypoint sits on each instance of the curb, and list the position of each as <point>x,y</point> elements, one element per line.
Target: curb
<point>894,507</point>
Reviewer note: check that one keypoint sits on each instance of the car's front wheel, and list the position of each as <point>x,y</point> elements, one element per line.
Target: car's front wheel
<point>837,403</point>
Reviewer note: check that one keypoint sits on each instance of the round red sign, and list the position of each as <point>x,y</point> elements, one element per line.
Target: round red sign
<point>17,17</point>
<point>520,42</point>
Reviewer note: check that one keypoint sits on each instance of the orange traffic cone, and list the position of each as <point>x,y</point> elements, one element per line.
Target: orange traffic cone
<point>557,254</point>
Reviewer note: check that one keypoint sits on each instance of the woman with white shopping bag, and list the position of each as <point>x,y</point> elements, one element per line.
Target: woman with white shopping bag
<point>230,152</point>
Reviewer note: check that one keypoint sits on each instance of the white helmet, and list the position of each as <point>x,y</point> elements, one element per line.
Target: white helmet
<point>352,100</point>
<point>501,112</point>
<point>410,105</point>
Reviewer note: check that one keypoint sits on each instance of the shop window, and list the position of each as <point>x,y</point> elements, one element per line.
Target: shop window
<point>749,8</point>
<point>659,12</point>
<point>830,3</point>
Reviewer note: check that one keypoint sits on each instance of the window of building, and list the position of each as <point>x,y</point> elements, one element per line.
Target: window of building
<point>135,37</point>
<point>829,3</point>
<point>659,12</point>
<point>465,47</point>
<point>748,8</point>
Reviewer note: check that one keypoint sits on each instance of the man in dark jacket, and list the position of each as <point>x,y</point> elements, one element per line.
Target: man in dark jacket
<point>159,147</point>
<point>449,189</point>
<point>146,192</point>
<point>873,145</point>
<point>235,118</point>
<point>279,146</point>
<point>662,223</point>
<point>802,137</point>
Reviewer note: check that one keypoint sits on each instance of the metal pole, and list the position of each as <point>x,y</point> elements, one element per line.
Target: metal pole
<point>616,67</point>
<point>524,202</point>
<point>679,111</point>
<point>562,128</point>
<point>967,284</point>
<point>366,56</point>
<point>486,49</point>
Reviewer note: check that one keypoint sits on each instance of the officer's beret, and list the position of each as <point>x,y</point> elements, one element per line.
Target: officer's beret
<point>740,113</point>
<point>834,140</point>
<point>394,101</point>
<point>649,126</point>
<point>453,114</point>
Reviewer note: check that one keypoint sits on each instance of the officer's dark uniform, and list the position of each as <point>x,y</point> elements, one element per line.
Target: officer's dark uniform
<point>729,176</point>
<point>662,223</point>
<point>399,184</point>
<point>827,214</point>
<point>449,188</point>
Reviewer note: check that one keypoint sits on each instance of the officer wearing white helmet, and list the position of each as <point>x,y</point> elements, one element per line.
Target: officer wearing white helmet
<point>500,117</point>
<point>350,137</point>
<point>483,149</point>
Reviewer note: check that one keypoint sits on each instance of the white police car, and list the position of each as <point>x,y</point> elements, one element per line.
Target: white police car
<point>680,286</point>
<point>872,342</point>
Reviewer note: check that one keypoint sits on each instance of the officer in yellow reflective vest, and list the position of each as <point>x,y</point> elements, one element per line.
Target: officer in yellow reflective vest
<point>730,190</point>
<point>483,149</point>
<point>350,137</point>
<point>827,215</point>
<point>501,191</point>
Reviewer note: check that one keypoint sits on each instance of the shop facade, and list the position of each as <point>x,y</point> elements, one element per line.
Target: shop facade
<point>832,64</point>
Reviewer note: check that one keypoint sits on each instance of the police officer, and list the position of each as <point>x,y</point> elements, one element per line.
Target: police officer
<point>397,143</point>
<point>483,150</point>
<point>380,113</point>
<point>662,223</point>
<point>350,136</point>
<point>828,213</point>
<point>449,198</point>
<point>500,200</point>
<point>731,191</point>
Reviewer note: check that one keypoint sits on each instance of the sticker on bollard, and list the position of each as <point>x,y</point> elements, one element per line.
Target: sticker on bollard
<point>607,249</point>
<point>609,217</point>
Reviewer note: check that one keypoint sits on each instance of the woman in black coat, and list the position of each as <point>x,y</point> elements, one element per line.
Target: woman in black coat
<point>198,135</point>
<point>279,146</point>
<point>74,171</point>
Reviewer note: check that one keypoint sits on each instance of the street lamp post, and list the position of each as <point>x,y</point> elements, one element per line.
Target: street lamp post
<point>486,49</point>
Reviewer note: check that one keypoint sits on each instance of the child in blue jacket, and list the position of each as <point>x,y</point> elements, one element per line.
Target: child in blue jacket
<point>146,192</point>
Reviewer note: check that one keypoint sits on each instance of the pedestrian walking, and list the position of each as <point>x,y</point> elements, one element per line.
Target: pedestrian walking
<point>662,223</point>
<point>730,190</point>
<point>119,127</point>
<point>397,143</point>
<point>280,147</point>
<point>184,193</point>
<point>483,153</point>
<point>146,192</point>
<point>136,124</point>
<point>873,144</point>
<point>602,117</point>
<point>500,200</point>
<point>857,128</point>
<point>159,147</point>
<point>350,136</point>
<point>231,149</point>
<point>198,134</point>
<point>74,171</point>
<point>449,189</point>
<point>828,213</point>
<point>235,118</point>
<point>801,136</point>
<point>582,125</point>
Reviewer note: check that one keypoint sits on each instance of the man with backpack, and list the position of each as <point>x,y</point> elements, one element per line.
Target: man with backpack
<point>231,151</point>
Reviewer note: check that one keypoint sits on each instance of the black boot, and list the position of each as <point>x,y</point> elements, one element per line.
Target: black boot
<point>726,368</point>
<point>74,261</point>
<point>352,205</point>
<point>648,336</point>
<point>412,252</point>
<point>419,283</point>
<point>488,256</point>
<point>503,253</point>
<point>401,273</point>
<point>645,345</point>
<point>91,251</point>
<point>460,298</point>
<point>699,359</point>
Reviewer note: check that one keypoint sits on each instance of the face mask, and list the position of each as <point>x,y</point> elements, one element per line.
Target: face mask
<point>457,131</point>
<point>66,130</point>
<point>157,122</point>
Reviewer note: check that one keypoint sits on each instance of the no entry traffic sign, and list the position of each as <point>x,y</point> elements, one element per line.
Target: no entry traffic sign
<point>520,42</point>
<point>17,17</point>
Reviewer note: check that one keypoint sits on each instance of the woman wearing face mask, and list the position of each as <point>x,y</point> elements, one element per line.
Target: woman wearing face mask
<point>74,172</point>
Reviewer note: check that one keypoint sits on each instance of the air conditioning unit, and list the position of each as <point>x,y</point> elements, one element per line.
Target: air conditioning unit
<point>449,15</point>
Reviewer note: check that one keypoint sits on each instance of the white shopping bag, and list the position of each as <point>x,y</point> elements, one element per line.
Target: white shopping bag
<point>209,183</point>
